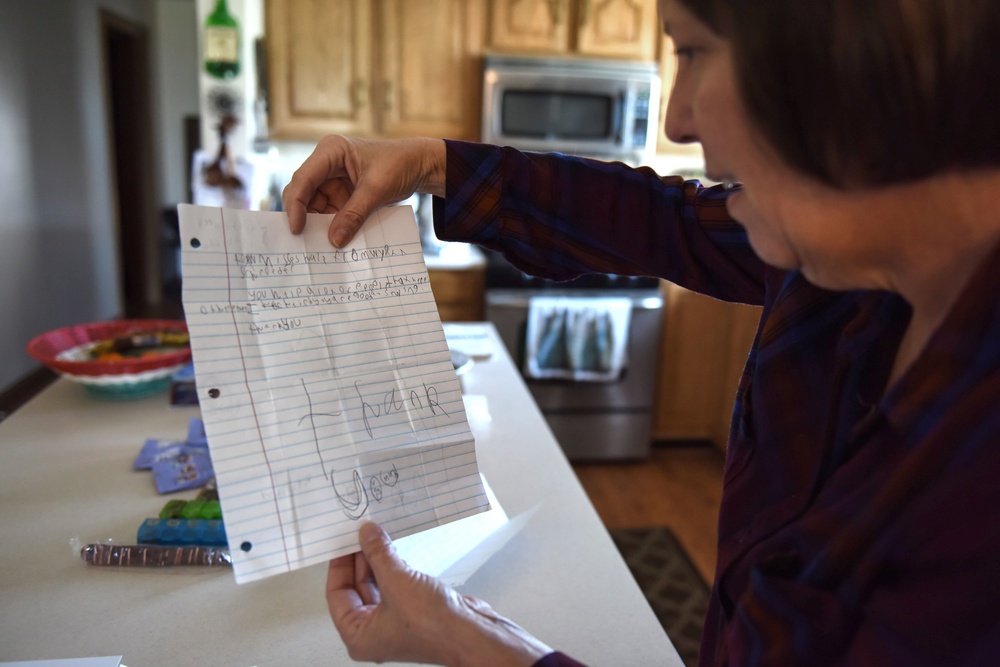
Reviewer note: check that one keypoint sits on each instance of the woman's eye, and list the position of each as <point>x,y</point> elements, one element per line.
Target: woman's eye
<point>685,52</point>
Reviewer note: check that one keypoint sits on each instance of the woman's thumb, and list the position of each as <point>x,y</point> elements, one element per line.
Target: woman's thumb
<point>379,550</point>
<point>351,217</point>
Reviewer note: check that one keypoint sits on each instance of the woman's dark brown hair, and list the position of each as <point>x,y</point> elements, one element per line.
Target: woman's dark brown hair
<point>868,92</point>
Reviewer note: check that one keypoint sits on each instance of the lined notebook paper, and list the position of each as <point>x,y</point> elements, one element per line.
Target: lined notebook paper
<point>325,384</point>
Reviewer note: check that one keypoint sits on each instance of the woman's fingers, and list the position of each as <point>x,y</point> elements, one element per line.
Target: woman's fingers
<point>327,162</point>
<point>365,580</point>
<point>351,581</point>
<point>356,177</point>
<point>342,597</point>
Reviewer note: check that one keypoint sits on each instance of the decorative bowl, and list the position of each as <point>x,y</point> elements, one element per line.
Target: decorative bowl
<point>132,374</point>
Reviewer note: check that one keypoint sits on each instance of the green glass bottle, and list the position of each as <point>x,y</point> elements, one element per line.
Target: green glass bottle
<point>222,43</point>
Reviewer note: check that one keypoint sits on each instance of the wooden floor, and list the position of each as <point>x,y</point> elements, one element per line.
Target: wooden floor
<point>679,486</point>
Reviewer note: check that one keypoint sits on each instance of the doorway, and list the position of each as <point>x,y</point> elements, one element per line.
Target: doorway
<point>127,92</point>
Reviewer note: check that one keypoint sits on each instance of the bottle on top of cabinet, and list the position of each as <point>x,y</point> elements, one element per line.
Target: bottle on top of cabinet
<point>222,43</point>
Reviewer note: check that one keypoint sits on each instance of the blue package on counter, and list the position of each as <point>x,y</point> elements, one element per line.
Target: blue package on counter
<point>202,532</point>
<point>183,389</point>
<point>154,450</point>
<point>196,433</point>
<point>191,468</point>
<point>185,372</point>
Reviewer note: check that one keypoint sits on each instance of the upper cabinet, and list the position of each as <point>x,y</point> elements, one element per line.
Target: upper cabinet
<point>319,67</point>
<point>625,28</point>
<point>430,72</point>
<point>599,28</point>
<point>366,68</point>
<point>531,25</point>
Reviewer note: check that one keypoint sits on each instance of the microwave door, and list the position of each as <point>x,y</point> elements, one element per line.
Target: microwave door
<point>567,121</point>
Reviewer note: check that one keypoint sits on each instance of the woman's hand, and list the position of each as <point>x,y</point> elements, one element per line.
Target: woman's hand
<point>384,611</point>
<point>354,177</point>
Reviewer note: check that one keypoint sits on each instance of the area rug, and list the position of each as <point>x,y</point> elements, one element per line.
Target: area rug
<point>671,583</point>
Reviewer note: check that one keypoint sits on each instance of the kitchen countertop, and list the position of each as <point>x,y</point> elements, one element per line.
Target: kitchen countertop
<point>455,257</point>
<point>65,472</point>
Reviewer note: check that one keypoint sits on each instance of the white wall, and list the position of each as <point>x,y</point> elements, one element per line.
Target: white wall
<point>176,48</point>
<point>57,237</point>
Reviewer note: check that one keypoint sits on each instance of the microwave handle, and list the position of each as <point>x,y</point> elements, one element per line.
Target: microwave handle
<point>618,122</point>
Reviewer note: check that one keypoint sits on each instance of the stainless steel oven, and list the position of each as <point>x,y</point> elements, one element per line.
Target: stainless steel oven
<point>589,108</point>
<point>605,420</point>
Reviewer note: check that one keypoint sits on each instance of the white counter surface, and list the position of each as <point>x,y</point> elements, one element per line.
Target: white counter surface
<point>455,257</point>
<point>65,472</point>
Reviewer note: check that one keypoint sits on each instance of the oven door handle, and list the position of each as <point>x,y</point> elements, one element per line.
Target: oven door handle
<point>523,301</point>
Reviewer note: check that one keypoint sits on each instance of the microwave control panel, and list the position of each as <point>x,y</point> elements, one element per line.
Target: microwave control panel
<point>640,123</point>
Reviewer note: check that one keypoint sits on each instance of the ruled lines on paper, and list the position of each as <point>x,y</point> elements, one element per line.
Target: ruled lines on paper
<point>325,383</point>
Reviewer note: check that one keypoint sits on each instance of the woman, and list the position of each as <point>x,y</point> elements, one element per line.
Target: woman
<point>857,524</point>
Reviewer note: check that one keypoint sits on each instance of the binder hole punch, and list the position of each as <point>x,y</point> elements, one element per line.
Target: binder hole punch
<point>195,243</point>
<point>214,393</point>
<point>246,546</point>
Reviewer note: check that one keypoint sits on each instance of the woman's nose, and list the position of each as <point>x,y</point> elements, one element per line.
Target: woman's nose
<point>679,125</point>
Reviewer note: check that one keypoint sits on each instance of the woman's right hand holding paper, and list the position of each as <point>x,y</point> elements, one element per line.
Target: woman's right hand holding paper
<point>354,177</point>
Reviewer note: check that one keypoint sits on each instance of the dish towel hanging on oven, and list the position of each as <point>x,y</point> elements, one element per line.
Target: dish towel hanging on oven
<point>577,338</point>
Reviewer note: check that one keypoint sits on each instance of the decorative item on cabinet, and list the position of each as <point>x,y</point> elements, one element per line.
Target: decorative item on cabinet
<point>602,28</point>
<point>374,68</point>
<point>229,166</point>
<point>222,43</point>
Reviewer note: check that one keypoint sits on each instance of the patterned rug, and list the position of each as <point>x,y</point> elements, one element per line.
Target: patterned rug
<point>675,590</point>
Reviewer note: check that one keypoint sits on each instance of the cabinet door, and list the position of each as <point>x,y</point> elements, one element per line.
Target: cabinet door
<point>617,28</point>
<point>530,25</point>
<point>429,71</point>
<point>703,351</point>
<point>320,67</point>
<point>459,293</point>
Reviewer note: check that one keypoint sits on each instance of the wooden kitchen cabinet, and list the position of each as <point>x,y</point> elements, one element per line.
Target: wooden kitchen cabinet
<point>319,67</point>
<point>430,70</point>
<point>597,28</point>
<point>459,293</point>
<point>626,28</point>
<point>703,350</point>
<point>382,68</point>
<point>530,25</point>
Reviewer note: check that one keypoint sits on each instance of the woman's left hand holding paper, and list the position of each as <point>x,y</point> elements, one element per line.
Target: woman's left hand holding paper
<point>385,611</point>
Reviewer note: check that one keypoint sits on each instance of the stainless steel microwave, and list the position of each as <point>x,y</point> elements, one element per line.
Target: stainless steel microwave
<point>593,108</point>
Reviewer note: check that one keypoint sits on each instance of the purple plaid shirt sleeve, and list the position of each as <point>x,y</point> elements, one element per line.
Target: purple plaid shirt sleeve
<point>858,523</point>
<point>559,217</point>
<point>557,659</point>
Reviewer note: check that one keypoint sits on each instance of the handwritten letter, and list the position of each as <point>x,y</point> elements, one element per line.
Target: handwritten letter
<point>325,383</point>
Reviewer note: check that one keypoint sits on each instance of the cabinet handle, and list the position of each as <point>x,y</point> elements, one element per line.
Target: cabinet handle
<point>584,12</point>
<point>360,94</point>
<point>558,8</point>
<point>389,100</point>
